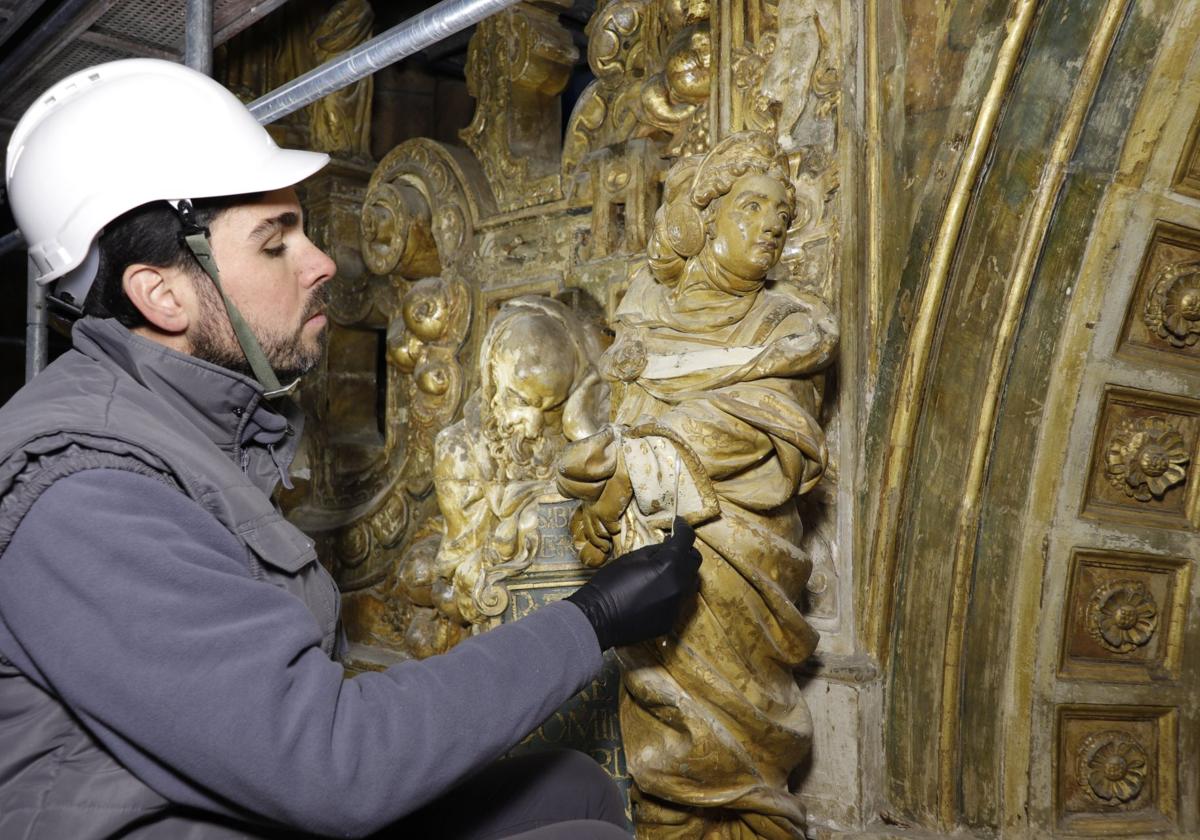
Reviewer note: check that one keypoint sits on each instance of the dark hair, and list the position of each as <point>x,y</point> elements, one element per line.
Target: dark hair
<point>146,234</point>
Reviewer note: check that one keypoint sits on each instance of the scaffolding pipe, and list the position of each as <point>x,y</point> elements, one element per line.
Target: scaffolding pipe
<point>29,47</point>
<point>198,36</point>
<point>401,41</point>
<point>11,241</point>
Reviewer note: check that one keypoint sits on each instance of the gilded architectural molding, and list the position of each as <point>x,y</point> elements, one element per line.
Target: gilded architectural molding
<point>518,63</point>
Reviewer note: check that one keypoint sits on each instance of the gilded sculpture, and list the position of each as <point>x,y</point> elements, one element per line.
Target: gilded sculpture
<point>920,110</point>
<point>716,404</point>
<point>340,122</point>
<point>1146,457</point>
<point>675,100</point>
<point>538,389</point>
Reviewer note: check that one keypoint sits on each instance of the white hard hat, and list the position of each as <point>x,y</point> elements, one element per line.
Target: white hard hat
<point>112,137</point>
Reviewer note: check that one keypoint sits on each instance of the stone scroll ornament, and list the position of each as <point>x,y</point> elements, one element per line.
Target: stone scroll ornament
<point>715,414</point>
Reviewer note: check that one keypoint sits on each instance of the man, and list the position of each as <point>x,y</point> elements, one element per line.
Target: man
<point>168,641</point>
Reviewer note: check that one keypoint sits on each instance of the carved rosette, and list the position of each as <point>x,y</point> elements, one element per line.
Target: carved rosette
<point>1112,767</point>
<point>1146,457</point>
<point>1122,615</point>
<point>1173,304</point>
<point>626,360</point>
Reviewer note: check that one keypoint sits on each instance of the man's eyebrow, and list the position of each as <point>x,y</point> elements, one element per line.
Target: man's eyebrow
<point>267,227</point>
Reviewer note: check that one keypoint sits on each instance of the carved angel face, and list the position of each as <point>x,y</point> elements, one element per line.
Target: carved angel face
<point>748,226</point>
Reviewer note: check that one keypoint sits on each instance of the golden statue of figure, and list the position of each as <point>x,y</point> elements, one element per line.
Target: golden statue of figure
<point>539,389</point>
<point>341,121</point>
<point>716,407</point>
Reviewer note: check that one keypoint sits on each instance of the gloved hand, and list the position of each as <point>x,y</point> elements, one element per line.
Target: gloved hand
<point>638,596</point>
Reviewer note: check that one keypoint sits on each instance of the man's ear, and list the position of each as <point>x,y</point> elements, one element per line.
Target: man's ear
<point>159,294</point>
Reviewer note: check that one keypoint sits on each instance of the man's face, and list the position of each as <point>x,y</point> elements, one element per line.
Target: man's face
<point>749,226</point>
<point>277,279</point>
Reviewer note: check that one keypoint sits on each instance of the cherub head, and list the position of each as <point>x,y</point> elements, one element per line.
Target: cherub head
<point>737,201</point>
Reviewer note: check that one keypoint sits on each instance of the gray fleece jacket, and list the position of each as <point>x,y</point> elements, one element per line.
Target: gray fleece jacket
<point>162,676</point>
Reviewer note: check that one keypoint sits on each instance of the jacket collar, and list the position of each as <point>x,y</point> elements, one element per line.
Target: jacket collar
<point>226,407</point>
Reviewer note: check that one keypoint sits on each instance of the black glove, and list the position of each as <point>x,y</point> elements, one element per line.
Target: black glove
<point>638,596</point>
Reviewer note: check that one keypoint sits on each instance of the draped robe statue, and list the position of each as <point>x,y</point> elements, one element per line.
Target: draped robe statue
<point>716,404</point>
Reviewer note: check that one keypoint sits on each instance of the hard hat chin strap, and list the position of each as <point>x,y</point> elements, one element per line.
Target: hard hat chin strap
<point>196,239</point>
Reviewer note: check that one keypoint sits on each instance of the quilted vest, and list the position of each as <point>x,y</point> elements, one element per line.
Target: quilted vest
<point>120,401</point>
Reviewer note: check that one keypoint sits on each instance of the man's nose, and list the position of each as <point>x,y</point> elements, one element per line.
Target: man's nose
<point>321,267</point>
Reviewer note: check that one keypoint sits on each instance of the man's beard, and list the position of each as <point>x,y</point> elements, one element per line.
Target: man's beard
<point>215,341</point>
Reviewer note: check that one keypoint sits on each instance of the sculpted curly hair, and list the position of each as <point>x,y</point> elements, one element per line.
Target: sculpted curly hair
<point>692,188</point>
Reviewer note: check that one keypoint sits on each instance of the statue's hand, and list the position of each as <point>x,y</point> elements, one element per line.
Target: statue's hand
<point>592,540</point>
<point>593,470</point>
<point>585,465</point>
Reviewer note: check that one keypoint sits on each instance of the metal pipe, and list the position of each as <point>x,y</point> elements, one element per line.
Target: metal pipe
<point>198,36</point>
<point>401,41</point>
<point>36,337</point>
<point>22,12</point>
<point>47,30</point>
<point>11,241</point>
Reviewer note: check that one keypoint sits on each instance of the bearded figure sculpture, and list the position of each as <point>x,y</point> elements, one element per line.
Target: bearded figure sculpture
<point>539,389</point>
<point>716,394</point>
